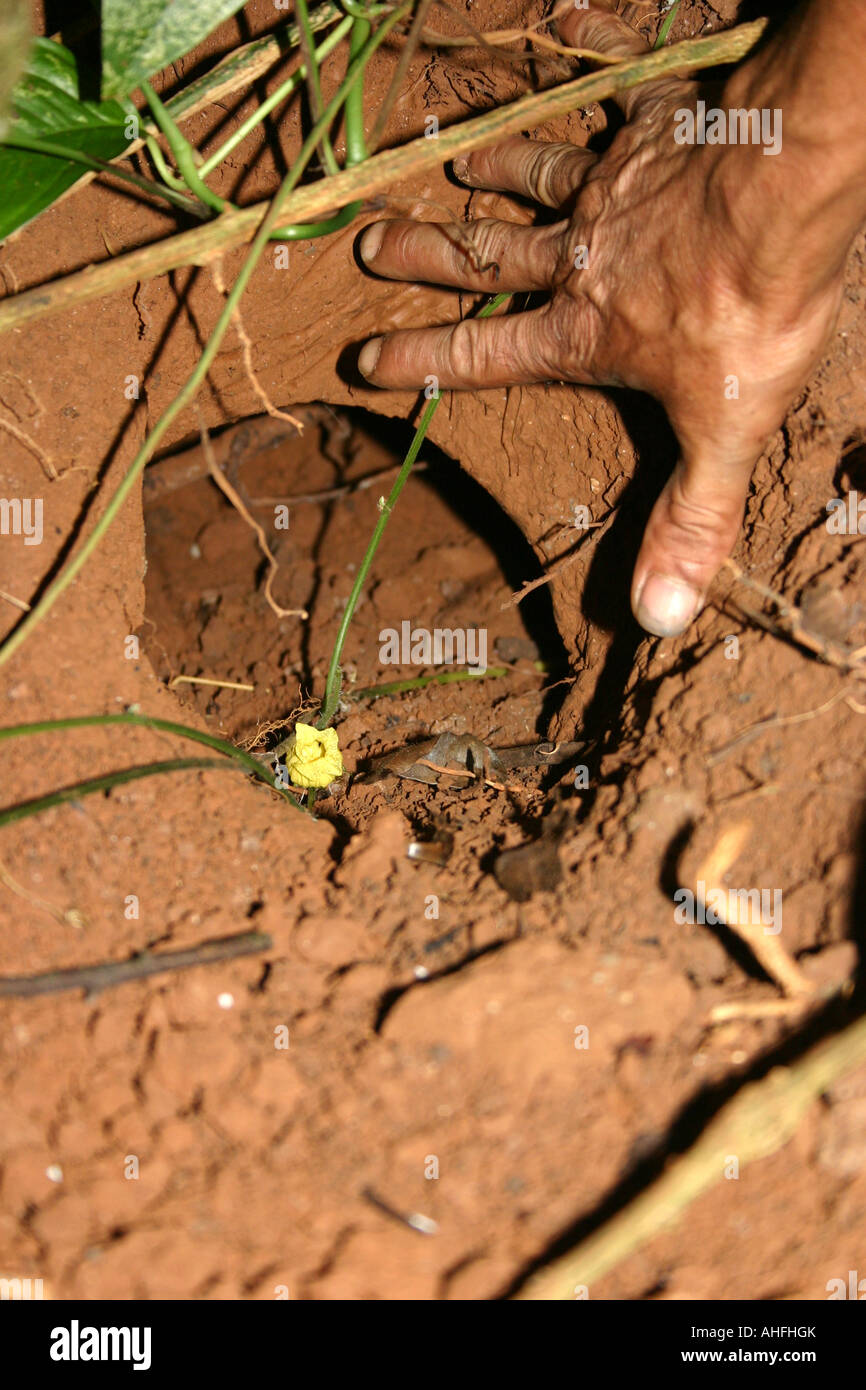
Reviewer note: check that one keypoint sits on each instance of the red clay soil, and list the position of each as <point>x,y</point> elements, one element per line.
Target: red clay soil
<point>431,1015</point>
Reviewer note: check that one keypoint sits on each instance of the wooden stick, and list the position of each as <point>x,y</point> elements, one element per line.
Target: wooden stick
<point>93,978</point>
<point>759,1119</point>
<point>375,175</point>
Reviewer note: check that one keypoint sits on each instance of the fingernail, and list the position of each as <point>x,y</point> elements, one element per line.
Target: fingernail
<point>461,167</point>
<point>371,241</point>
<point>666,606</point>
<point>369,356</point>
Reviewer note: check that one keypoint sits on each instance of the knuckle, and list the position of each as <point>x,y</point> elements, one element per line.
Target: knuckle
<point>465,356</point>
<point>399,242</point>
<point>480,165</point>
<point>552,172</point>
<point>652,102</point>
<point>593,199</point>
<point>540,175</point>
<point>568,339</point>
<point>485,238</point>
<point>707,521</point>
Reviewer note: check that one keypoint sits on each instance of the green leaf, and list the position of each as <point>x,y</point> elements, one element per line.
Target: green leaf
<point>47,107</point>
<point>14,43</point>
<point>141,38</point>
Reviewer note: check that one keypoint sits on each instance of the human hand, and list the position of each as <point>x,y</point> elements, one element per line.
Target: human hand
<point>709,278</point>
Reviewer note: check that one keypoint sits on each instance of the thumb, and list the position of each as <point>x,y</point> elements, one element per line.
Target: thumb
<point>693,527</point>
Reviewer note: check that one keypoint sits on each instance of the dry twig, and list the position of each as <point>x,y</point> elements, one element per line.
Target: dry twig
<point>94,978</point>
<point>791,622</point>
<point>759,1119</point>
<point>375,175</point>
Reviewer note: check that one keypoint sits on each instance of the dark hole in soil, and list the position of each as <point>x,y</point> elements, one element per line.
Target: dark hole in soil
<point>449,558</point>
<point>474,506</point>
<point>851,473</point>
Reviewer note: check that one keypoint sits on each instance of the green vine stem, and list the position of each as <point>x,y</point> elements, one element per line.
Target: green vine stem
<point>194,177</point>
<point>376,692</point>
<point>667,25</point>
<point>356,149</point>
<point>314,84</point>
<point>101,784</point>
<point>190,387</point>
<point>166,726</point>
<point>386,506</point>
<point>101,166</point>
<point>371,11</point>
<point>184,155</point>
<point>284,90</point>
<point>161,164</point>
<point>377,174</point>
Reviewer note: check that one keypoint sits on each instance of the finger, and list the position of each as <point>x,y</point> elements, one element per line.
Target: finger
<point>692,529</point>
<point>601,29</point>
<point>547,172</point>
<point>477,353</point>
<point>484,255</point>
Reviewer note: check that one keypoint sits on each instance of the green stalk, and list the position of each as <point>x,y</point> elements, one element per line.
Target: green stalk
<point>189,389</point>
<point>101,166</point>
<point>356,149</point>
<point>360,12</point>
<point>184,155</point>
<point>335,675</point>
<point>667,26</point>
<point>352,94</point>
<point>284,90</point>
<point>101,784</point>
<point>166,726</point>
<point>329,159</point>
<point>375,692</point>
<point>161,163</point>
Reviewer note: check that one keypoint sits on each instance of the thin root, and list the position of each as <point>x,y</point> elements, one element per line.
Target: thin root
<point>23,438</point>
<point>225,486</point>
<point>247,349</point>
<point>790,621</point>
<point>778,720</point>
<point>70,917</point>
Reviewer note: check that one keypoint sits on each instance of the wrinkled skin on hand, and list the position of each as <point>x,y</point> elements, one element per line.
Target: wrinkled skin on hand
<point>700,284</point>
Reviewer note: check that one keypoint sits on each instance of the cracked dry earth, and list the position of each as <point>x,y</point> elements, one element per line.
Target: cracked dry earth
<point>431,1015</point>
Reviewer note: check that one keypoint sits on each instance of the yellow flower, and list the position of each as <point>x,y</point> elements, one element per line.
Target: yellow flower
<point>313,758</point>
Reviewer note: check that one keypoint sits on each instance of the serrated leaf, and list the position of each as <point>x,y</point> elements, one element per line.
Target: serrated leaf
<point>46,105</point>
<point>141,38</point>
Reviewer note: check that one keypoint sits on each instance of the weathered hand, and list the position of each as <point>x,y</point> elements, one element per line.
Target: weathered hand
<point>685,270</point>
